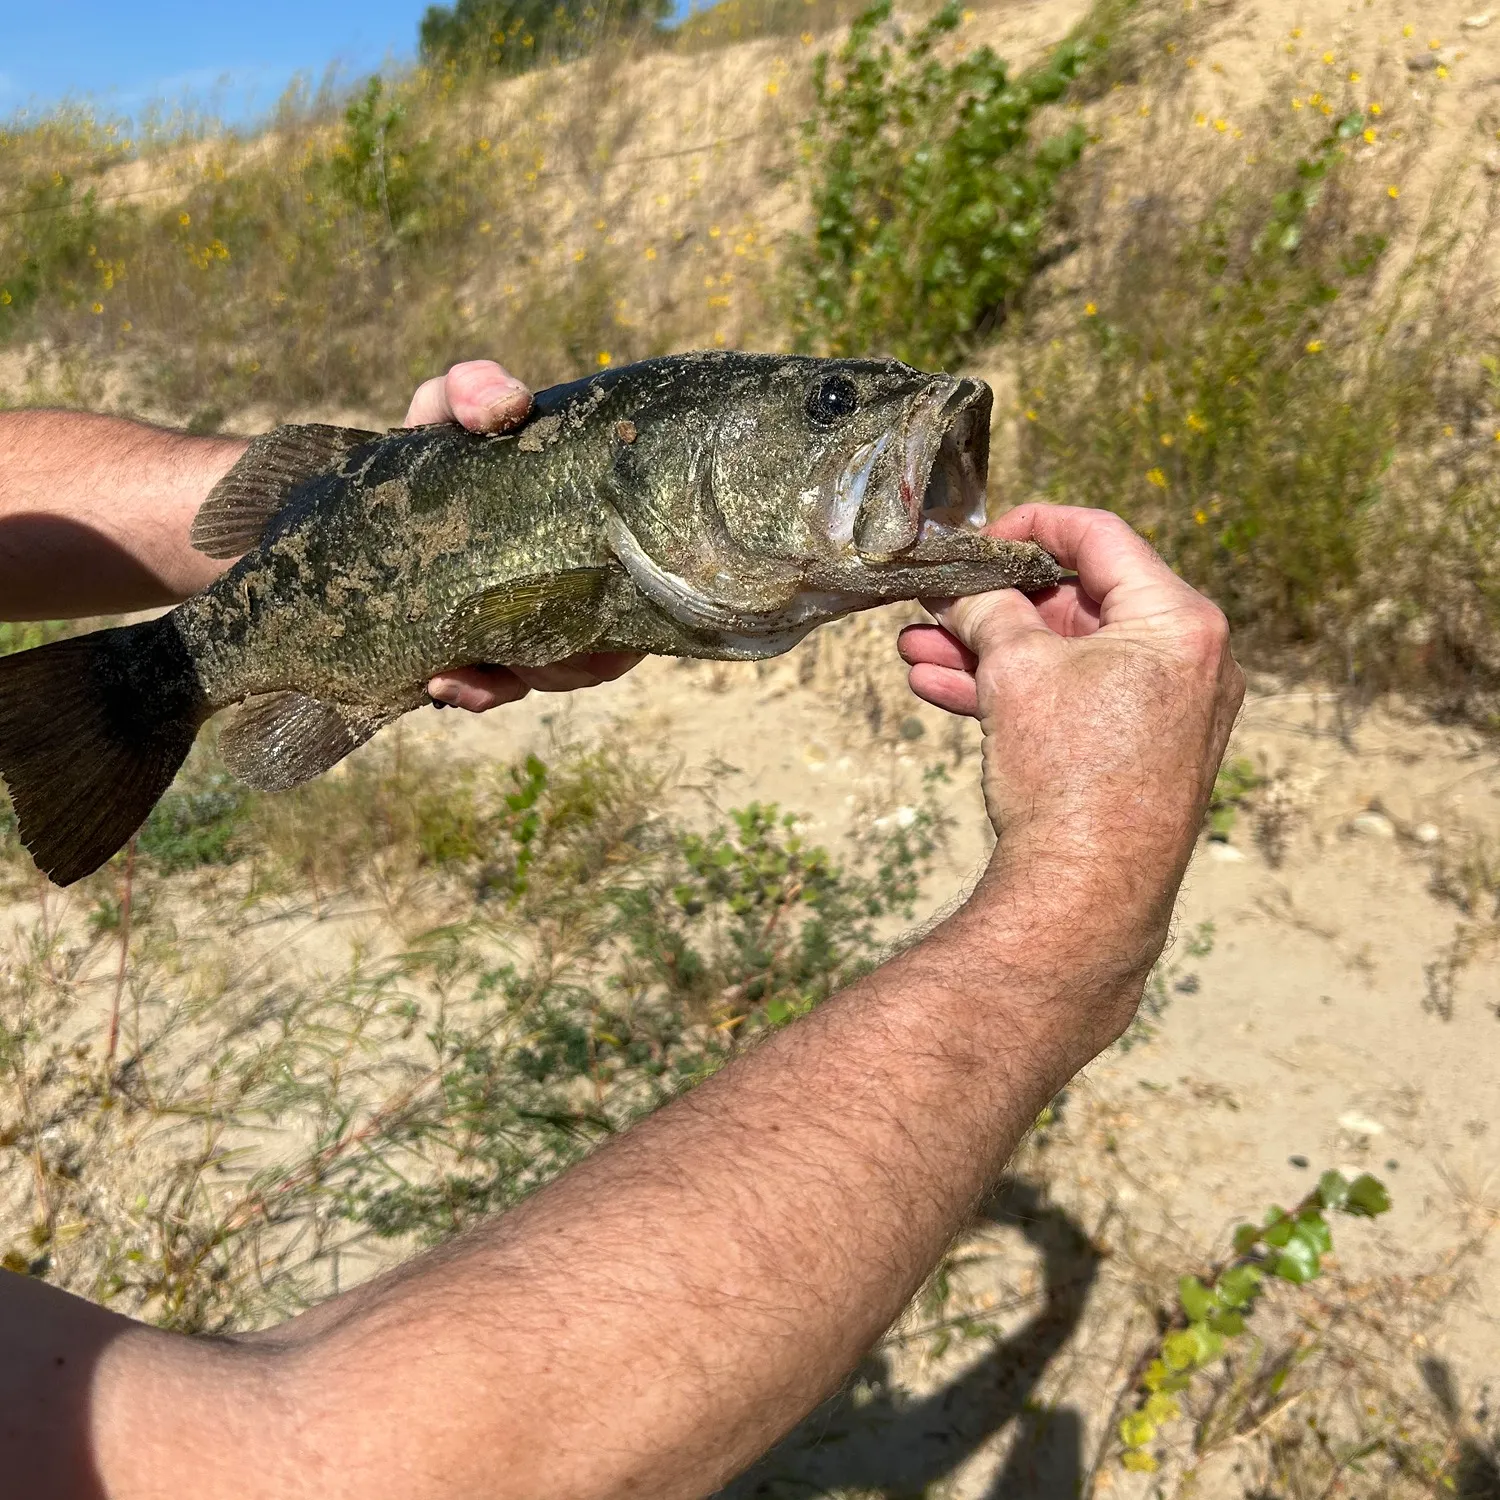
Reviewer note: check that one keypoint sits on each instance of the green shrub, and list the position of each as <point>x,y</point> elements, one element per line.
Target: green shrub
<point>511,36</point>
<point>930,196</point>
<point>1279,383</point>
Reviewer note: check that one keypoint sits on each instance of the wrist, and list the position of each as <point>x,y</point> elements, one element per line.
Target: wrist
<point>1050,957</point>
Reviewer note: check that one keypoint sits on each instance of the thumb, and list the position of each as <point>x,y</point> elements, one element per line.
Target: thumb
<point>987,622</point>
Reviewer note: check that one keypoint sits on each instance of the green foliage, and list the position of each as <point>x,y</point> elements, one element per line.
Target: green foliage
<point>1233,785</point>
<point>1212,1309</point>
<point>930,196</point>
<point>510,36</point>
<point>1265,392</point>
<point>197,822</point>
<point>378,166</point>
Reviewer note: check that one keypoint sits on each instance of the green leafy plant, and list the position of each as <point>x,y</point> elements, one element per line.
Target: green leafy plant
<point>1236,780</point>
<point>930,196</point>
<point>1212,1308</point>
<point>512,36</point>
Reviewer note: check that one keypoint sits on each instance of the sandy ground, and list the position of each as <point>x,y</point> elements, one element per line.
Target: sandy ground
<point>1307,1037</point>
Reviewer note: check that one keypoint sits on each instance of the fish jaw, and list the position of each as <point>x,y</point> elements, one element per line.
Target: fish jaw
<point>929,480</point>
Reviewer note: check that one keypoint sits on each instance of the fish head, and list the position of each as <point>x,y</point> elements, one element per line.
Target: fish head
<point>774,492</point>
<point>862,475</point>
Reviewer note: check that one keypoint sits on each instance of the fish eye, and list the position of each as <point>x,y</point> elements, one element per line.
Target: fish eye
<point>832,398</point>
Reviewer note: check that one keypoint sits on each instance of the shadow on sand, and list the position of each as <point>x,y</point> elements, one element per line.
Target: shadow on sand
<point>898,1446</point>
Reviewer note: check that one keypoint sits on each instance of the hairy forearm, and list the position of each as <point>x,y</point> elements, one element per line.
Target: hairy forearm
<point>662,1313</point>
<point>95,513</point>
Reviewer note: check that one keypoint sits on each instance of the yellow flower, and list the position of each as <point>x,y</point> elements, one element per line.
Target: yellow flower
<point>604,358</point>
<point>1296,33</point>
<point>1145,110</point>
<point>1448,431</point>
<point>1327,109</point>
<point>1375,109</point>
<point>1167,440</point>
<point>1031,414</point>
<point>184,219</point>
<point>1442,72</point>
<point>126,326</point>
<point>1156,477</point>
<point>1328,59</point>
<point>1497,436</point>
<point>1393,191</point>
<point>1353,77</point>
<point>714,231</point>
<point>773,88</point>
<point>97,308</point>
<point>1314,98</point>
<point>1090,309</point>
<point>1407,30</point>
<point>1196,423</point>
<point>1221,126</point>
<point>1314,346</point>
<point>484,143</point>
<point>5,298</point>
<point>1434,44</point>
<point>485,227</point>
<point>968,17</point>
<point>1200,118</point>
<point>1296,104</point>
<point>1370,134</point>
<point>806,38</point>
<point>1201,517</point>
<point>598,223</point>
<point>650,252</point>
<point>578,255</point>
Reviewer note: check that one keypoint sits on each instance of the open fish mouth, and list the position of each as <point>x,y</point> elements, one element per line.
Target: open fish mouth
<point>923,483</point>
<point>953,494</point>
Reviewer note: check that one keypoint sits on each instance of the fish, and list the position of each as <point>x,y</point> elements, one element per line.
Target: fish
<point>714,504</point>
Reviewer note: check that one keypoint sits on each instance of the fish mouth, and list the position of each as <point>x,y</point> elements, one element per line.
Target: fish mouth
<point>937,489</point>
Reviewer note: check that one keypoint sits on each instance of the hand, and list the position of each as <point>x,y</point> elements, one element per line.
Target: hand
<point>486,398</point>
<point>1106,705</point>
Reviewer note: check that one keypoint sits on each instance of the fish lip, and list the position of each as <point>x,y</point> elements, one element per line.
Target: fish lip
<point>943,466</point>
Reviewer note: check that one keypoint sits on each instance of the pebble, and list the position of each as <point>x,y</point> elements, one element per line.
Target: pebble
<point>1300,1162</point>
<point>1372,825</point>
<point>1477,23</point>
<point>1427,833</point>
<point>1358,1124</point>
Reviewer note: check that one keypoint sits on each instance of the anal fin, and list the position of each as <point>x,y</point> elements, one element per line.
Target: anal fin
<point>233,517</point>
<point>279,740</point>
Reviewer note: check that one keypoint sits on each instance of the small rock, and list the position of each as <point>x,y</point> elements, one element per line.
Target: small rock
<point>1300,1162</point>
<point>1358,1124</point>
<point>912,728</point>
<point>1477,23</point>
<point>1427,833</point>
<point>1430,61</point>
<point>1225,854</point>
<point>1392,1164</point>
<point>1372,825</point>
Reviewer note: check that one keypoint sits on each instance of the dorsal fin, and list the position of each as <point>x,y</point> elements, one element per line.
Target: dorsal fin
<point>230,521</point>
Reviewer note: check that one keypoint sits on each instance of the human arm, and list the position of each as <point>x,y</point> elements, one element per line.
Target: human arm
<point>96,514</point>
<point>661,1313</point>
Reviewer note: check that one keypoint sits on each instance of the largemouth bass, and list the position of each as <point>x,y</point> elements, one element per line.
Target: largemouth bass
<point>711,505</point>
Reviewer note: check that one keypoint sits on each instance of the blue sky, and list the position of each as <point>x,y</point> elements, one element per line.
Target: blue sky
<point>236,56</point>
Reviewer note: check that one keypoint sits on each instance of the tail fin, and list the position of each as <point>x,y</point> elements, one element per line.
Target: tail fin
<point>92,731</point>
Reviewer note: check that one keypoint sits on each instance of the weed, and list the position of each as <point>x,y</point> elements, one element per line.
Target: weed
<point>1263,384</point>
<point>929,195</point>
<point>293,1110</point>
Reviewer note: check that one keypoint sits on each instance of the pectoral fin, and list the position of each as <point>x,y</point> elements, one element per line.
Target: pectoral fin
<point>280,740</point>
<point>531,622</point>
<point>230,521</point>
